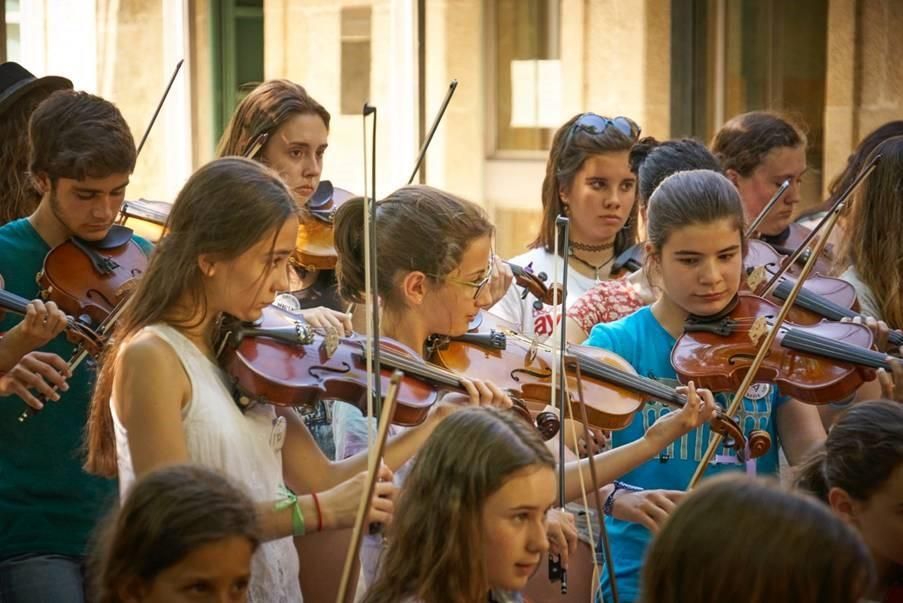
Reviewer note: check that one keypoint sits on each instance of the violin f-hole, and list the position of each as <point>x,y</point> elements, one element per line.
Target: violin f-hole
<point>314,371</point>
<point>532,373</point>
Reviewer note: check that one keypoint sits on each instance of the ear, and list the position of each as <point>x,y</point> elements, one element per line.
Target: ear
<point>842,504</point>
<point>733,176</point>
<point>414,287</point>
<point>207,265</point>
<point>41,182</point>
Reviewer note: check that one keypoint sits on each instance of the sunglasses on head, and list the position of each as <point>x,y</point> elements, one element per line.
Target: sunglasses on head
<point>596,124</point>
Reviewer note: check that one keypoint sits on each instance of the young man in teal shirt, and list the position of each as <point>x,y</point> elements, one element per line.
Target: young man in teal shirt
<point>81,156</point>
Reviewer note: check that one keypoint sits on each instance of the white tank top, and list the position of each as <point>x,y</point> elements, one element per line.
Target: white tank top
<point>246,447</point>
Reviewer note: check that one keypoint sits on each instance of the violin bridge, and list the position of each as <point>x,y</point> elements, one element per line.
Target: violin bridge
<point>534,349</point>
<point>758,329</point>
<point>756,278</point>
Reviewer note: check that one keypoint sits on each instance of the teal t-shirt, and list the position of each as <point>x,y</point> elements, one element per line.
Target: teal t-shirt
<point>48,504</point>
<point>641,340</point>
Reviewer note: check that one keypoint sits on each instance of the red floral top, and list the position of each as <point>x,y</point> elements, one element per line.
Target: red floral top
<point>607,301</point>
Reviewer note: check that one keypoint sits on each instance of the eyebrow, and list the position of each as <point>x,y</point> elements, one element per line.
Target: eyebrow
<point>84,189</point>
<point>305,145</point>
<point>695,253</point>
<point>790,176</point>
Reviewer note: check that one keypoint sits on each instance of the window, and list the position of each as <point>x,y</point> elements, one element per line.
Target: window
<point>355,59</point>
<point>526,73</point>
<point>13,31</point>
<point>734,56</point>
<point>237,54</point>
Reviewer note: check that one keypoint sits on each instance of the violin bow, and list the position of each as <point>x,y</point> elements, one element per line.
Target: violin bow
<point>388,409</point>
<point>600,510</point>
<point>429,137</point>
<point>370,276</point>
<point>838,205</point>
<point>147,132</point>
<point>559,385</point>
<point>772,332</point>
<point>751,230</point>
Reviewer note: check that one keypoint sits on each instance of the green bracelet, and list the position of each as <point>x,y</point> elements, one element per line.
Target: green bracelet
<point>297,517</point>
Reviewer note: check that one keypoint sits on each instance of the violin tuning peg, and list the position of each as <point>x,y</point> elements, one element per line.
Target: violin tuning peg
<point>537,305</point>
<point>542,276</point>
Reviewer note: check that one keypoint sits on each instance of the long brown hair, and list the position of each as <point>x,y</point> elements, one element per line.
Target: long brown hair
<point>263,110</point>
<point>20,197</point>
<point>743,539</point>
<point>168,514</point>
<point>224,209</point>
<point>569,152</point>
<point>862,450</point>
<point>417,228</point>
<point>744,140</point>
<point>867,245</point>
<point>435,549</point>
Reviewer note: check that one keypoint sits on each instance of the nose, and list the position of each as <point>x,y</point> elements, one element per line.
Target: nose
<point>794,192</point>
<point>484,299</point>
<point>282,282</point>
<point>312,166</point>
<point>107,208</point>
<point>613,201</point>
<point>537,538</point>
<point>709,274</point>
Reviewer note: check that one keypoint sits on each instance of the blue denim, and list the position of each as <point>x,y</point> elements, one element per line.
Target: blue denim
<point>42,579</point>
<point>319,421</point>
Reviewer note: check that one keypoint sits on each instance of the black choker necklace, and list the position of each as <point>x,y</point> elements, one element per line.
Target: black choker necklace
<point>585,247</point>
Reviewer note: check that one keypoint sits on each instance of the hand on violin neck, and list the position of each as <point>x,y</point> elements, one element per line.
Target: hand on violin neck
<point>42,322</point>
<point>700,407</point>
<point>339,505</point>
<point>880,330</point>
<point>892,383</point>
<point>649,508</point>
<point>327,318</point>
<point>499,282</point>
<point>478,393</point>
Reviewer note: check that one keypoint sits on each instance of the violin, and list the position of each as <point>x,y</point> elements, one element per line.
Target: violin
<point>817,364</point>
<point>77,333</point>
<point>535,284</point>
<point>88,279</point>
<point>146,218</point>
<point>789,241</point>
<point>613,392</point>
<point>281,360</point>
<point>315,247</point>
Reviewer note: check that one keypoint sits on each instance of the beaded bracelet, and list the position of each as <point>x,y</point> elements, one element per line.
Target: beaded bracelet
<point>608,507</point>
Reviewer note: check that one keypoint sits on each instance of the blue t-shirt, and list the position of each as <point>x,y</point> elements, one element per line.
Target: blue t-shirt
<point>641,340</point>
<point>48,504</point>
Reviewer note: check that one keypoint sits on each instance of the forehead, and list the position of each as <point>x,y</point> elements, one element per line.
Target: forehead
<point>104,183</point>
<point>611,164</point>
<point>307,128</point>
<point>277,240</point>
<point>532,486</point>
<point>784,161</point>
<point>476,255</point>
<point>709,238</point>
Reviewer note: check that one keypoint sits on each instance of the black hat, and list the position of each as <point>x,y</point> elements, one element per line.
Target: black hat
<point>16,81</point>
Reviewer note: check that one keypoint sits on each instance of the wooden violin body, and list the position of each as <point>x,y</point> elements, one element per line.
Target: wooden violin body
<point>787,243</point>
<point>716,353</point>
<point>315,247</point>
<point>89,279</point>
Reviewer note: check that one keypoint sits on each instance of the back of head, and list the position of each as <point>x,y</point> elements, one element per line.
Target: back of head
<point>742,539</point>
<point>874,251</point>
<point>166,515</point>
<point>225,208</point>
<point>436,543</point>
<point>653,161</point>
<point>264,110</point>
<point>78,135</point>
<point>691,197</point>
<point>743,142</point>
<point>417,228</point>
<point>862,450</point>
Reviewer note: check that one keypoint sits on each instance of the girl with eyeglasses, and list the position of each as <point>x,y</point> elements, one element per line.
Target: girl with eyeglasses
<point>434,253</point>
<point>588,179</point>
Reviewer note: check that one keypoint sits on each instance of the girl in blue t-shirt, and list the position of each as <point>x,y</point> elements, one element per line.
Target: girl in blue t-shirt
<point>695,253</point>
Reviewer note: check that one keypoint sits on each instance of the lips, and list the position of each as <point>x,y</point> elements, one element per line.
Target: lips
<point>712,296</point>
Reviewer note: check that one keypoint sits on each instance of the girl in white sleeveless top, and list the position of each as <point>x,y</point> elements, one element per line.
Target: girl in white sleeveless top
<point>161,399</point>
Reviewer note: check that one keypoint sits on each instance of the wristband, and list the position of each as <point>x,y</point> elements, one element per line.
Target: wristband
<point>319,512</point>
<point>608,507</point>
<point>290,500</point>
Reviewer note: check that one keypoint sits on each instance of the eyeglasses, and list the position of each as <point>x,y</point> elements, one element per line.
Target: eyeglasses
<point>478,286</point>
<point>596,124</point>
